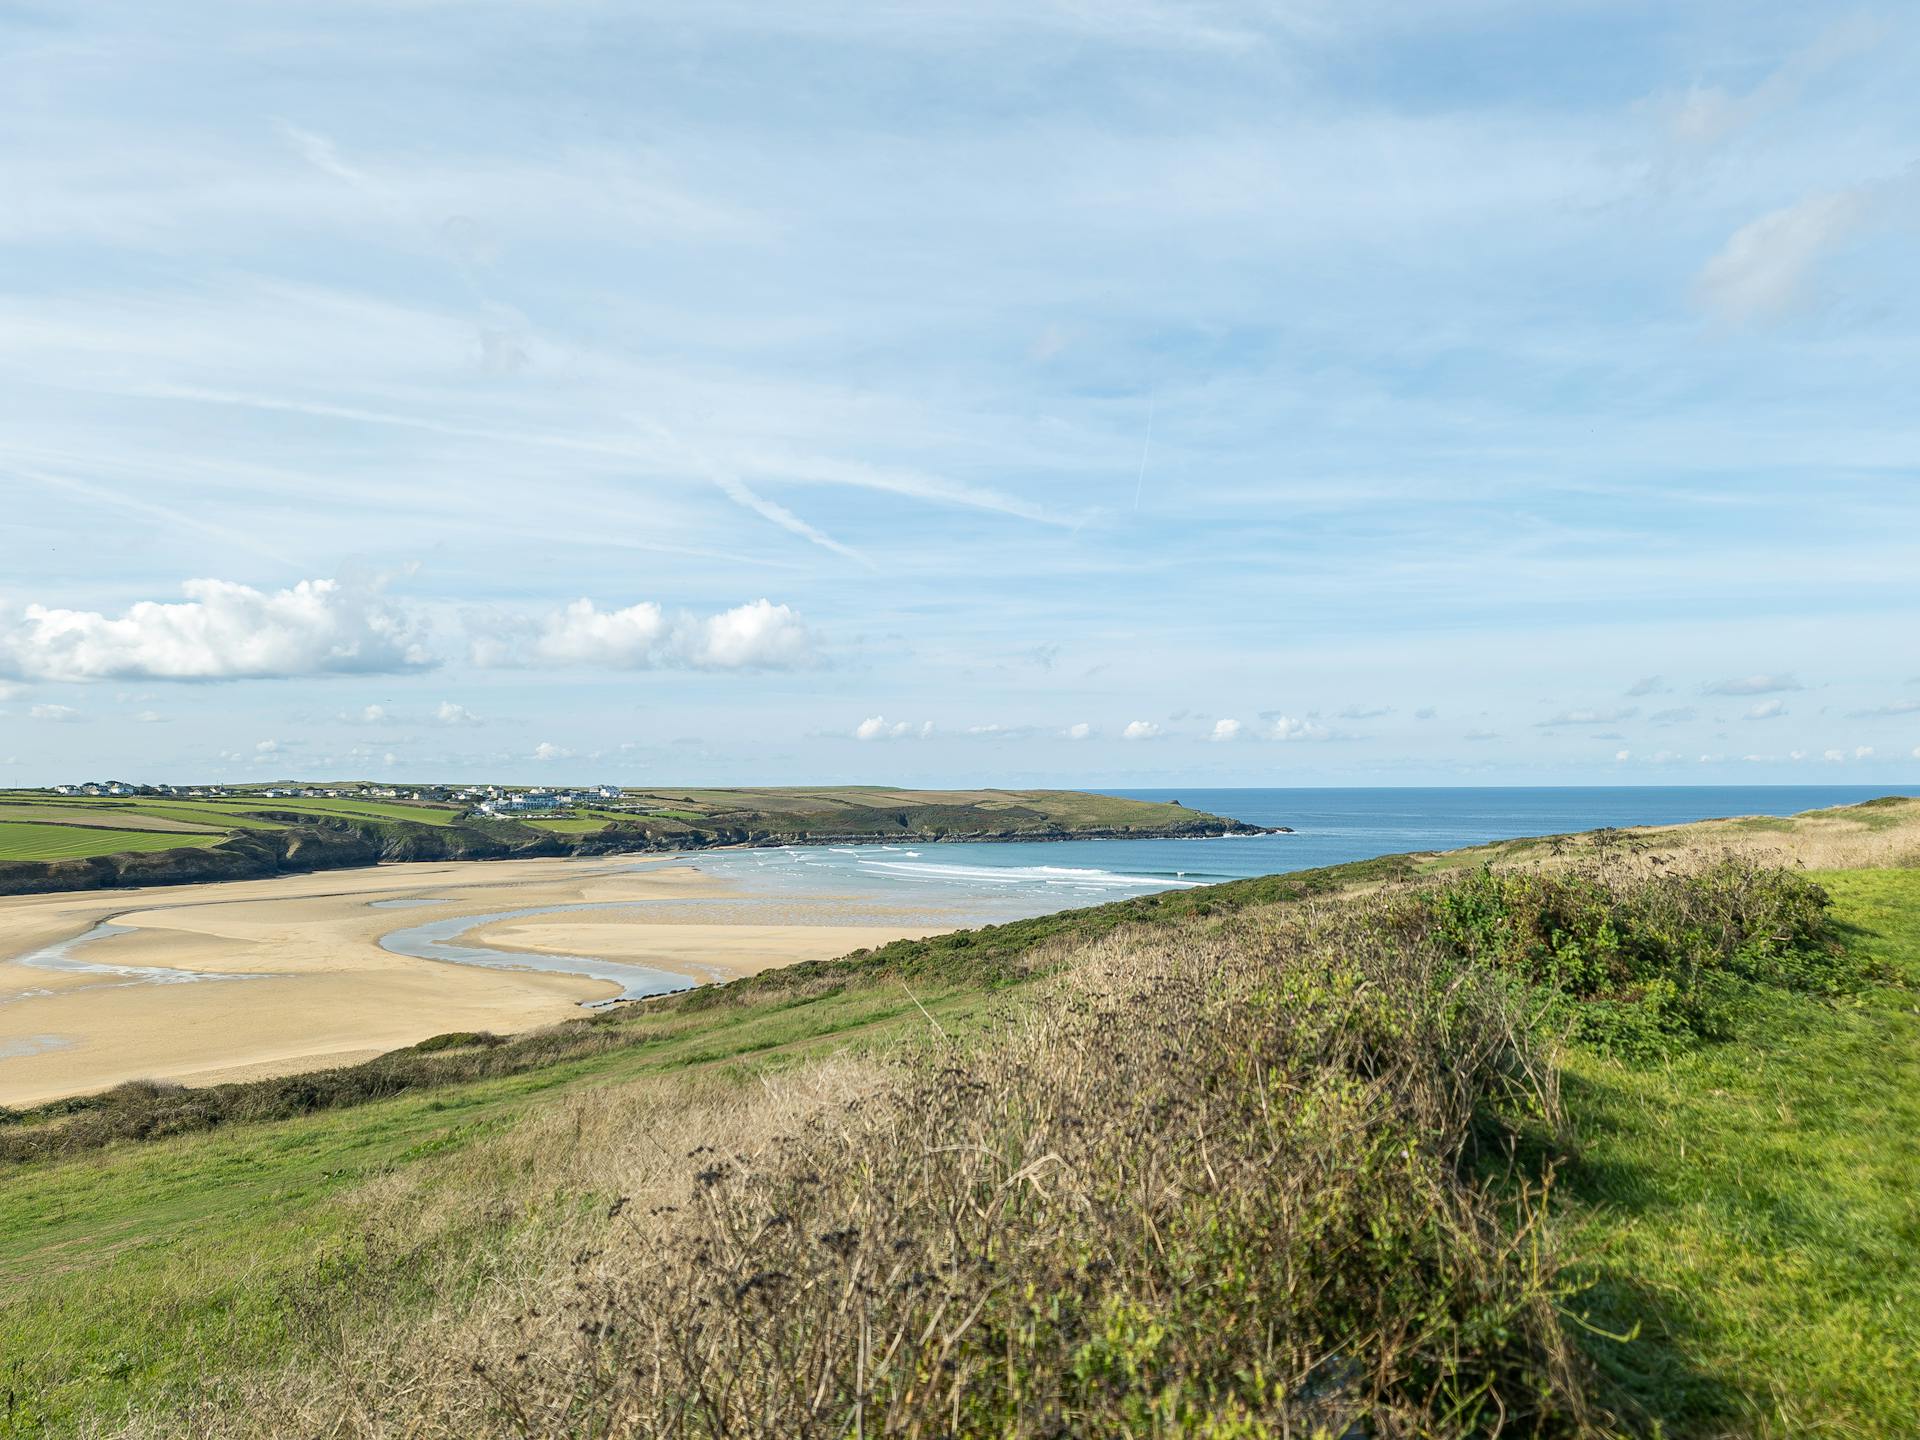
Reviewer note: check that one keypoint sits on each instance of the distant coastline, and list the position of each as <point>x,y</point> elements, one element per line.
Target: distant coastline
<point>283,836</point>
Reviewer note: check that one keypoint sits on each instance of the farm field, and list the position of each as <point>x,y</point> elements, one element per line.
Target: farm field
<point>31,840</point>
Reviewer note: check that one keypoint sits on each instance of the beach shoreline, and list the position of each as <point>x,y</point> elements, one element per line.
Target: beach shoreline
<point>253,978</point>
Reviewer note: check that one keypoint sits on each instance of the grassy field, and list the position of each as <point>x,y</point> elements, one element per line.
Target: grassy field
<point>1729,1248</point>
<point>30,840</point>
<point>417,813</point>
<point>1751,1209</point>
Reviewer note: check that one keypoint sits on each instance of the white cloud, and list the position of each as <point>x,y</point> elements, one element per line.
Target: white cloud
<point>1650,685</point>
<point>1078,731</point>
<point>267,747</point>
<point>1587,717</point>
<point>10,691</point>
<point>1916,752</point>
<point>756,636</point>
<point>367,715</point>
<point>1899,707</point>
<point>59,713</point>
<point>1863,752</point>
<point>1622,755</point>
<point>1753,685</point>
<point>584,635</point>
<point>1224,730</point>
<point>1140,730</point>
<point>1762,268</point>
<point>1835,756</point>
<point>545,750</point>
<point>222,631</point>
<point>150,717</point>
<point>1767,710</point>
<point>999,732</point>
<point>1286,727</point>
<point>877,727</point>
<point>449,713</point>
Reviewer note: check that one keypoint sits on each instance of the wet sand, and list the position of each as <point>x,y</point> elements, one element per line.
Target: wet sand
<point>319,990</point>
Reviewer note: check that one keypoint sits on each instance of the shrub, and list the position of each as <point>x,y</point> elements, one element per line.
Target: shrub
<point>1638,965</point>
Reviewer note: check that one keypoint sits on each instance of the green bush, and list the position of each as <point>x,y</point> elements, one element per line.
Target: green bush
<point>1638,965</point>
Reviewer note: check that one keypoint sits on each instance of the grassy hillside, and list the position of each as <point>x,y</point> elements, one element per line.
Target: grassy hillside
<point>234,837</point>
<point>1585,1144</point>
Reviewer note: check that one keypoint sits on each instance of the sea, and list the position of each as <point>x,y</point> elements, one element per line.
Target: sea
<point>968,883</point>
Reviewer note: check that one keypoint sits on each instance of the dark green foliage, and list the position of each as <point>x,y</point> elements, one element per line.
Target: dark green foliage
<point>1643,965</point>
<point>458,1040</point>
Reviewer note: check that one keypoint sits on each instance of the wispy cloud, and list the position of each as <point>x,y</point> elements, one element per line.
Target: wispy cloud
<point>1753,685</point>
<point>1764,266</point>
<point>878,727</point>
<point>1604,716</point>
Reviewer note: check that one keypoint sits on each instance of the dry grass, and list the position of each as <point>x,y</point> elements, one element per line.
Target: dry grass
<point>1218,1187</point>
<point>1267,1174</point>
<point>540,1193</point>
<point>1878,834</point>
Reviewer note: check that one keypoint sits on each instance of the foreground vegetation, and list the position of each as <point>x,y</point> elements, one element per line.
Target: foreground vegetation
<point>1619,1142</point>
<point>77,842</point>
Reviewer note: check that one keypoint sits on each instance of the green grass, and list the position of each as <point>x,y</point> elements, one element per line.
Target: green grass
<point>204,812</point>
<point>34,840</point>
<point>1752,1208</point>
<point>127,1274</point>
<point>420,814</point>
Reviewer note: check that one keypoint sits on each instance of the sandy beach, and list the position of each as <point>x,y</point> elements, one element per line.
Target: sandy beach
<point>297,978</point>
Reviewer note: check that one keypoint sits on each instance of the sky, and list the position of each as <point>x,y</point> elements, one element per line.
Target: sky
<point>993,392</point>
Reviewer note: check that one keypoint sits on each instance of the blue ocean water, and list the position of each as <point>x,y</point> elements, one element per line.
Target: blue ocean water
<point>980,883</point>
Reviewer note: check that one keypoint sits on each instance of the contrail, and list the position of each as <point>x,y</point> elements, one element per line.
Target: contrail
<point>1140,479</point>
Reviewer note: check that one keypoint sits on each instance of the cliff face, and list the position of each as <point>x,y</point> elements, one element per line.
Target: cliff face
<point>307,844</point>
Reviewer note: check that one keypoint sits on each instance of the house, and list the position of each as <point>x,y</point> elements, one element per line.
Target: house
<point>531,800</point>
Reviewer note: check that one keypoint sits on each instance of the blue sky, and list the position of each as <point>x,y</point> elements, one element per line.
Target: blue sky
<point>960,391</point>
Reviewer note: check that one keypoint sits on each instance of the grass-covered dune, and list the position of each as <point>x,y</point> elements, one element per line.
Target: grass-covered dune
<point>57,842</point>
<point>1609,1137</point>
